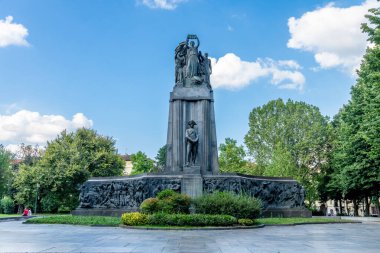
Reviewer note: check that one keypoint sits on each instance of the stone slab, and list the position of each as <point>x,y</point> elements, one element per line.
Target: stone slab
<point>191,94</point>
<point>192,170</point>
<point>192,185</point>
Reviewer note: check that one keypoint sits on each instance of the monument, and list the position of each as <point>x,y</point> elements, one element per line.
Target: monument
<point>191,155</point>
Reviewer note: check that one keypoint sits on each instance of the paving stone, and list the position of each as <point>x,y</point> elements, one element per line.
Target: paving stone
<point>344,238</point>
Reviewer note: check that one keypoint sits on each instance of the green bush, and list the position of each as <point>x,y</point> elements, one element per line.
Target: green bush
<point>246,222</point>
<point>167,201</point>
<point>134,219</point>
<point>7,205</point>
<point>164,194</point>
<point>165,219</point>
<point>239,206</point>
<point>149,205</point>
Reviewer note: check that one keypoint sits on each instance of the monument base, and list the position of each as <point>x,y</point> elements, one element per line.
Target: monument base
<point>113,196</point>
<point>192,185</point>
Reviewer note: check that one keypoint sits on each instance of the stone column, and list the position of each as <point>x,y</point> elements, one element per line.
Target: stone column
<point>197,104</point>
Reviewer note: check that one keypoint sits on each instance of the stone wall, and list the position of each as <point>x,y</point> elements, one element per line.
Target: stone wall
<point>113,196</point>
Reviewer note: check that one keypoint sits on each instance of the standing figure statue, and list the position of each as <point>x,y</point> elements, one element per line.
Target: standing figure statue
<point>191,143</point>
<point>180,62</point>
<point>192,65</point>
<point>208,69</point>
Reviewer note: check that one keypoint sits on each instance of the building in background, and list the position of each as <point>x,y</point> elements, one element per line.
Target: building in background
<point>128,164</point>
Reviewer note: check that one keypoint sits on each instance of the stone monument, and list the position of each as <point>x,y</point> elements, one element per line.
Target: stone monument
<point>191,156</point>
<point>191,101</point>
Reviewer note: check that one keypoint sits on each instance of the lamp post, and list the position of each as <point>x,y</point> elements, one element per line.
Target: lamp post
<point>35,203</point>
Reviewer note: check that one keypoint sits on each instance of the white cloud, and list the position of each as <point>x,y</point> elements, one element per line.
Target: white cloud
<point>33,128</point>
<point>12,33</point>
<point>230,72</point>
<point>332,34</point>
<point>162,4</point>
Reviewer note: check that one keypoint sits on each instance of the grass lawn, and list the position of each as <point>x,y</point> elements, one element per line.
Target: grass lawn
<point>76,220</point>
<point>115,221</point>
<point>9,215</point>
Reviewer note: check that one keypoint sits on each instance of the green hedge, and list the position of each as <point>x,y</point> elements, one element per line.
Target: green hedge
<point>134,219</point>
<point>164,219</point>
<point>240,206</point>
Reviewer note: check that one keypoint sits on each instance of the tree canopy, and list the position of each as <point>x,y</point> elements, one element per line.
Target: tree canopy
<point>289,139</point>
<point>141,163</point>
<point>68,162</point>
<point>356,150</point>
<point>5,170</point>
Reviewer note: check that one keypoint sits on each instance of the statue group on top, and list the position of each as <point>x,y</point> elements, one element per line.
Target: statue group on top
<point>191,64</point>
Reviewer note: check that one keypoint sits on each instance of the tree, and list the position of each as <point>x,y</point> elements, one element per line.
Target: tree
<point>231,157</point>
<point>161,158</point>
<point>289,139</point>
<point>141,163</point>
<point>68,162</point>
<point>5,170</point>
<point>356,153</point>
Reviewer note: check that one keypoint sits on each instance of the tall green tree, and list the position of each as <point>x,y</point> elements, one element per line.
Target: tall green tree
<point>161,158</point>
<point>5,170</point>
<point>289,139</point>
<point>141,163</point>
<point>232,157</point>
<point>67,163</point>
<point>357,151</point>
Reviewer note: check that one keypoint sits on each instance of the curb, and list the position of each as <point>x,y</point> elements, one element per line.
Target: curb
<point>195,228</point>
<point>16,218</point>
<point>311,223</point>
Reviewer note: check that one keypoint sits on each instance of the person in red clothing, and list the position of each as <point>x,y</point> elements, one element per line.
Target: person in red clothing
<point>25,213</point>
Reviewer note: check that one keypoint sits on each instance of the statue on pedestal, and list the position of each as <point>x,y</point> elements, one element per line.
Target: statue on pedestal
<point>191,143</point>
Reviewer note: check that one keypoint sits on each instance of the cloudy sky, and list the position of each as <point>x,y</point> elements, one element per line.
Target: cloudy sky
<point>109,65</point>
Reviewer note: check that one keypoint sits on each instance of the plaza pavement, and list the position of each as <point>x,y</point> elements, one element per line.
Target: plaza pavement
<point>18,237</point>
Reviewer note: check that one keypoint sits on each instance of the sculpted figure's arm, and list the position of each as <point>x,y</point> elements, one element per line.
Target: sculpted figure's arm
<point>189,138</point>
<point>198,43</point>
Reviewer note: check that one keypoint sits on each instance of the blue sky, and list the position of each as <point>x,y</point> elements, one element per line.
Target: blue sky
<point>110,64</point>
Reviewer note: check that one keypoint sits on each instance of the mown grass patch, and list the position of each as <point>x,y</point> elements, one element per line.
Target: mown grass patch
<point>290,221</point>
<point>9,215</point>
<point>76,220</point>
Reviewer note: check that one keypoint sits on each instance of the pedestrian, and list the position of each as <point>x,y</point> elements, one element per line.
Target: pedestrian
<point>29,212</point>
<point>26,211</point>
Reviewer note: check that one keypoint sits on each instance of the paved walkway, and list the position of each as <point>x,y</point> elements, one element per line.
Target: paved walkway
<point>18,237</point>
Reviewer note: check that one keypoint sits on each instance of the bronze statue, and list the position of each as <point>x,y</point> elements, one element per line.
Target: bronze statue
<point>191,143</point>
<point>192,64</point>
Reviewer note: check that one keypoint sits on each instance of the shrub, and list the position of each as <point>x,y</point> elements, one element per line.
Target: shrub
<point>246,222</point>
<point>7,205</point>
<point>134,219</point>
<point>239,206</point>
<point>167,201</point>
<point>180,203</point>
<point>149,205</point>
<point>164,194</point>
<point>164,219</point>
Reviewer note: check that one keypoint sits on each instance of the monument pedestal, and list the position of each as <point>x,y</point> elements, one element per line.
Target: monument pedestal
<point>192,104</point>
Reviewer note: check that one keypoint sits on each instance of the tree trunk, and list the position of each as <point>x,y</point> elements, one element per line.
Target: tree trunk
<point>347,210</point>
<point>340,206</point>
<point>366,206</point>
<point>356,207</point>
